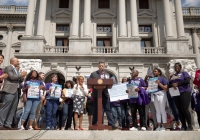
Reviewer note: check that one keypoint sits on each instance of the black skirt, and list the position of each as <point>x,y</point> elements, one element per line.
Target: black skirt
<point>89,107</point>
<point>78,104</point>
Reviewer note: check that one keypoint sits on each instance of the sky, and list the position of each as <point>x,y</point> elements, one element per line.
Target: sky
<point>185,3</point>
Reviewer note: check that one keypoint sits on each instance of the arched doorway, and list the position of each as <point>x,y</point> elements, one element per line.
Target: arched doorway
<point>61,77</point>
<point>112,75</point>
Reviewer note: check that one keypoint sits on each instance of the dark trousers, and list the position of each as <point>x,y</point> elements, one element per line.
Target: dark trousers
<point>182,103</point>
<point>8,108</point>
<point>70,116</point>
<point>198,117</point>
<point>174,109</point>
<point>125,114</point>
<point>141,108</point>
<point>106,109</point>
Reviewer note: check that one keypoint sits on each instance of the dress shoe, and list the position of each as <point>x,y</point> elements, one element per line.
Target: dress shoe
<point>9,128</point>
<point>2,128</point>
<point>36,128</point>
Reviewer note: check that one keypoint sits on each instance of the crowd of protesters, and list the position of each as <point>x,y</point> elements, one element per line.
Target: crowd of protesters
<point>61,112</point>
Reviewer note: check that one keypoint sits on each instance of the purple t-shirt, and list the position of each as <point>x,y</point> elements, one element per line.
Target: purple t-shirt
<point>1,72</point>
<point>163,81</point>
<point>179,77</point>
<point>140,83</point>
<point>48,85</point>
<point>27,82</point>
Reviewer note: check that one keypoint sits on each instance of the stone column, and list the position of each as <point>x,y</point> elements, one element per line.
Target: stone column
<point>134,20</point>
<point>30,18</point>
<point>179,19</point>
<point>75,18</point>
<point>42,17</point>
<point>122,19</point>
<point>168,21</point>
<point>195,44</point>
<point>8,46</point>
<point>87,18</point>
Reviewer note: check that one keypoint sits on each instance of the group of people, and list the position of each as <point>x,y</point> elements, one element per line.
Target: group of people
<point>68,108</point>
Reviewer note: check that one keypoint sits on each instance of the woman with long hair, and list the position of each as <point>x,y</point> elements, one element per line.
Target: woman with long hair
<point>160,99</point>
<point>67,111</point>
<point>181,80</point>
<point>31,103</point>
<point>80,91</point>
<point>51,104</point>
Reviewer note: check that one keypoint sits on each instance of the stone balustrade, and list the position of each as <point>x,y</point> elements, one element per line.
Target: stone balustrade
<point>153,50</point>
<point>105,50</point>
<point>13,9</point>
<point>191,11</point>
<point>56,49</point>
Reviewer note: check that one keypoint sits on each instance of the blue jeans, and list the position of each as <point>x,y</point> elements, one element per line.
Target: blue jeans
<point>173,108</point>
<point>30,107</point>
<point>116,112</point>
<point>64,114</point>
<point>125,114</point>
<point>51,109</point>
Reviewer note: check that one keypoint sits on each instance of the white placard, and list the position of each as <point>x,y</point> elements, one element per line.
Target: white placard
<point>118,92</point>
<point>131,88</point>
<point>33,90</point>
<point>57,91</point>
<point>152,85</point>
<point>69,93</point>
<point>174,92</point>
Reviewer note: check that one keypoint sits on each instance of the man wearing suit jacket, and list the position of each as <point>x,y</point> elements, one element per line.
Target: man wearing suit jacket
<point>10,94</point>
<point>105,96</point>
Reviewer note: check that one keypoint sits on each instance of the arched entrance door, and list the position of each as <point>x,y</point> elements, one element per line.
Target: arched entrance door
<point>61,77</point>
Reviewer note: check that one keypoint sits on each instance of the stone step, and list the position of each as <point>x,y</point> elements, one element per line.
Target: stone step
<point>100,135</point>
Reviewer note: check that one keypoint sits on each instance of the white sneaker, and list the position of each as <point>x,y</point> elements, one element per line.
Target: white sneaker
<point>134,129</point>
<point>22,128</point>
<point>162,129</point>
<point>158,128</point>
<point>30,128</point>
<point>143,129</point>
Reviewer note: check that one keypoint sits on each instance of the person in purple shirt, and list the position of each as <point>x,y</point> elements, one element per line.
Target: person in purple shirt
<point>134,105</point>
<point>51,104</point>
<point>181,80</point>
<point>160,99</point>
<point>31,104</point>
<point>67,111</point>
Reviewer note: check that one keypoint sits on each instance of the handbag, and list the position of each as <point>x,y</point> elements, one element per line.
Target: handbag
<point>60,107</point>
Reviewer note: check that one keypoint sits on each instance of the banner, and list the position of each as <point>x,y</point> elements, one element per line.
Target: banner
<point>152,85</point>
<point>131,88</point>
<point>57,91</point>
<point>118,92</point>
<point>33,91</point>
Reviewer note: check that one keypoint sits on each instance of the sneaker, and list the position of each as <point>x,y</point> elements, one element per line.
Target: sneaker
<point>143,128</point>
<point>52,128</point>
<point>162,129</point>
<point>158,128</point>
<point>183,128</point>
<point>134,129</point>
<point>22,128</point>
<point>48,128</point>
<point>30,128</point>
<point>190,128</point>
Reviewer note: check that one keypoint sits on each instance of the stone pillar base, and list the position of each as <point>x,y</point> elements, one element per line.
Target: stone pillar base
<point>80,45</point>
<point>177,46</point>
<point>32,44</point>
<point>129,45</point>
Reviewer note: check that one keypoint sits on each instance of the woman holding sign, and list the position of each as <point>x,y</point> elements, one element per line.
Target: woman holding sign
<point>180,83</point>
<point>80,91</point>
<point>159,98</point>
<point>67,111</point>
<point>53,93</point>
<point>31,97</point>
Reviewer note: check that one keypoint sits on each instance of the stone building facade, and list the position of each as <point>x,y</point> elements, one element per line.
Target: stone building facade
<point>70,37</point>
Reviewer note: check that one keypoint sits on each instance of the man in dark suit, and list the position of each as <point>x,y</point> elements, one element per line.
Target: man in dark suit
<point>105,96</point>
<point>10,94</point>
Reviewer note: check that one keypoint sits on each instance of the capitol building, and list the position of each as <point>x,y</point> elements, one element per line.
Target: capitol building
<point>70,37</point>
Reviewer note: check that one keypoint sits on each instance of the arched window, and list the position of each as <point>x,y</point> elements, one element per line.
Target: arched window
<point>104,4</point>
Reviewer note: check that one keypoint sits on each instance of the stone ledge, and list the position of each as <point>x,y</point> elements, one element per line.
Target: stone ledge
<point>100,135</point>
